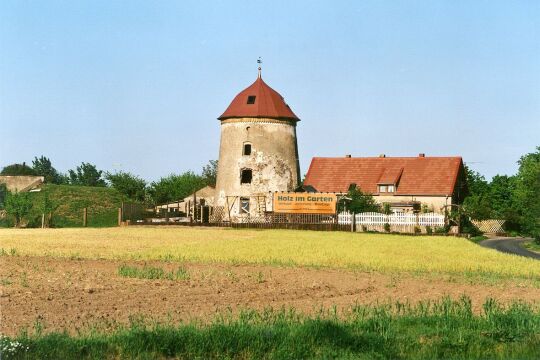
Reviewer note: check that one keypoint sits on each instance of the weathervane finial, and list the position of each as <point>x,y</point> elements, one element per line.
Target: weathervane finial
<point>259,61</point>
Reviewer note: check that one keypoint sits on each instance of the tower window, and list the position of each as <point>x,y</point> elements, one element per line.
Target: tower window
<point>246,176</point>
<point>244,205</point>
<point>251,99</point>
<point>247,149</point>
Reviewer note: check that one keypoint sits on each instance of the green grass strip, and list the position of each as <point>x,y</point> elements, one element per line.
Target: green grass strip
<point>429,330</point>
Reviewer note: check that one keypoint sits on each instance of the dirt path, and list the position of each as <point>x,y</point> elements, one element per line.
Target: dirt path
<point>75,294</point>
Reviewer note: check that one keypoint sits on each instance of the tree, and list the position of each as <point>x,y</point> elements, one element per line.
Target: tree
<point>501,190</point>
<point>527,193</point>
<point>503,203</point>
<point>42,166</point>
<point>476,183</point>
<point>46,207</point>
<point>360,202</point>
<point>477,207</point>
<point>18,205</point>
<point>86,175</point>
<point>477,204</point>
<point>127,184</point>
<point>175,187</point>
<point>209,172</point>
<point>18,170</point>
<point>3,194</point>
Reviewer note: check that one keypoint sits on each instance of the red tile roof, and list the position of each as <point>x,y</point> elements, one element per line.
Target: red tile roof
<point>268,104</point>
<point>414,175</point>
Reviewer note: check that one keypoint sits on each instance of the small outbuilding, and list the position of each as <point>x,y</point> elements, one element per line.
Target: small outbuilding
<point>22,183</point>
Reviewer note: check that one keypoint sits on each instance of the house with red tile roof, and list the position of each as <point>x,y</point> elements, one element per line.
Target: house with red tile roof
<point>406,183</point>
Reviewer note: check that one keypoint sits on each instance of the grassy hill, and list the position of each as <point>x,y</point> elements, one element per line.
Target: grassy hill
<point>102,204</point>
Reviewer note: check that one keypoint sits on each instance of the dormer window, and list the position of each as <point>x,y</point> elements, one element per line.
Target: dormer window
<point>251,99</point>
<point>247,149</point>
<point>387,188</point>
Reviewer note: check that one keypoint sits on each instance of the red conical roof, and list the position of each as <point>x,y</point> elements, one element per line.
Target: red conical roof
<point>260,101</point>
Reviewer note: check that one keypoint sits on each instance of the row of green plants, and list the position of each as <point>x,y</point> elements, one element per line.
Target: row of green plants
<point>153,273</point>
<point>441,230</point>
<point>445,329</point>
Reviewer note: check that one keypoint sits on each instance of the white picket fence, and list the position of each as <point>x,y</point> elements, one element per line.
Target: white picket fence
<point>400,222</point>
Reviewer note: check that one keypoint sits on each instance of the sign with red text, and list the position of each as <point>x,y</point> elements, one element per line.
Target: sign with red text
<point>305,203</point>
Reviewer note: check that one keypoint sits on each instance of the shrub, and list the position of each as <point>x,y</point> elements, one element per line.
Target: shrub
<point>387,227</point>
<point>129,185</point>
<point>417,230</point>
<point>18,170</point>
<point>359,202</point>
<point>467,227</point>
<point>442,229</point>
<point>174,187</point>
<point>18,205</point>
<point>429,230</point>
<point>43,166</point>
<point>3,193</point>
<point>86,175</point>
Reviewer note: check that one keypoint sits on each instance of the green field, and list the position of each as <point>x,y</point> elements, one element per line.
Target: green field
<point>437,330</point>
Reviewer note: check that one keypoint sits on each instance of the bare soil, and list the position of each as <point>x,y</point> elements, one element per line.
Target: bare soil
<point>73,295</point>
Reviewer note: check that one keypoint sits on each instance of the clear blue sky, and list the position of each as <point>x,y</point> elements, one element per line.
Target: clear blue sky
<point>138,85</point>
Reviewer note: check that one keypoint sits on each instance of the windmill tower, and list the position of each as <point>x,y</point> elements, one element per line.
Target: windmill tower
<point>258,151</point>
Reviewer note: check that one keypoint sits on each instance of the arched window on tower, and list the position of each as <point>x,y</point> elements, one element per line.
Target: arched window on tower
<point>247,149</point>
<point>246,176</point>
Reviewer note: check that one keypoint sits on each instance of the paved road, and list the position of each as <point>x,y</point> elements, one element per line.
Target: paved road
<point>510,245</point>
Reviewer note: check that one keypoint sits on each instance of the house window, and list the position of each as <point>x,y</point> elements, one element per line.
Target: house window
<point>387,188</point>
<point>251,99</point>
<point>246,176</point>
<point>244,205</point>
<point>247,149</point>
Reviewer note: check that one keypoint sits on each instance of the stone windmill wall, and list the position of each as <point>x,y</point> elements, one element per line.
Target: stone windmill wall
<point>258,152</point>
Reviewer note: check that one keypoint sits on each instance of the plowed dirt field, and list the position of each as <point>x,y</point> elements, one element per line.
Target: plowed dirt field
<point>69,294</point>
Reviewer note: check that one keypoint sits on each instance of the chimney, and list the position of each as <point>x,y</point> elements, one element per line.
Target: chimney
<point>421,155</point>
<point>382,155</point>
<point>348,156</point>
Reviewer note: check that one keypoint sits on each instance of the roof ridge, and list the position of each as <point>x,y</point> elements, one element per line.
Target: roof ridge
<point>268,103</point>
<point>435,176</point>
